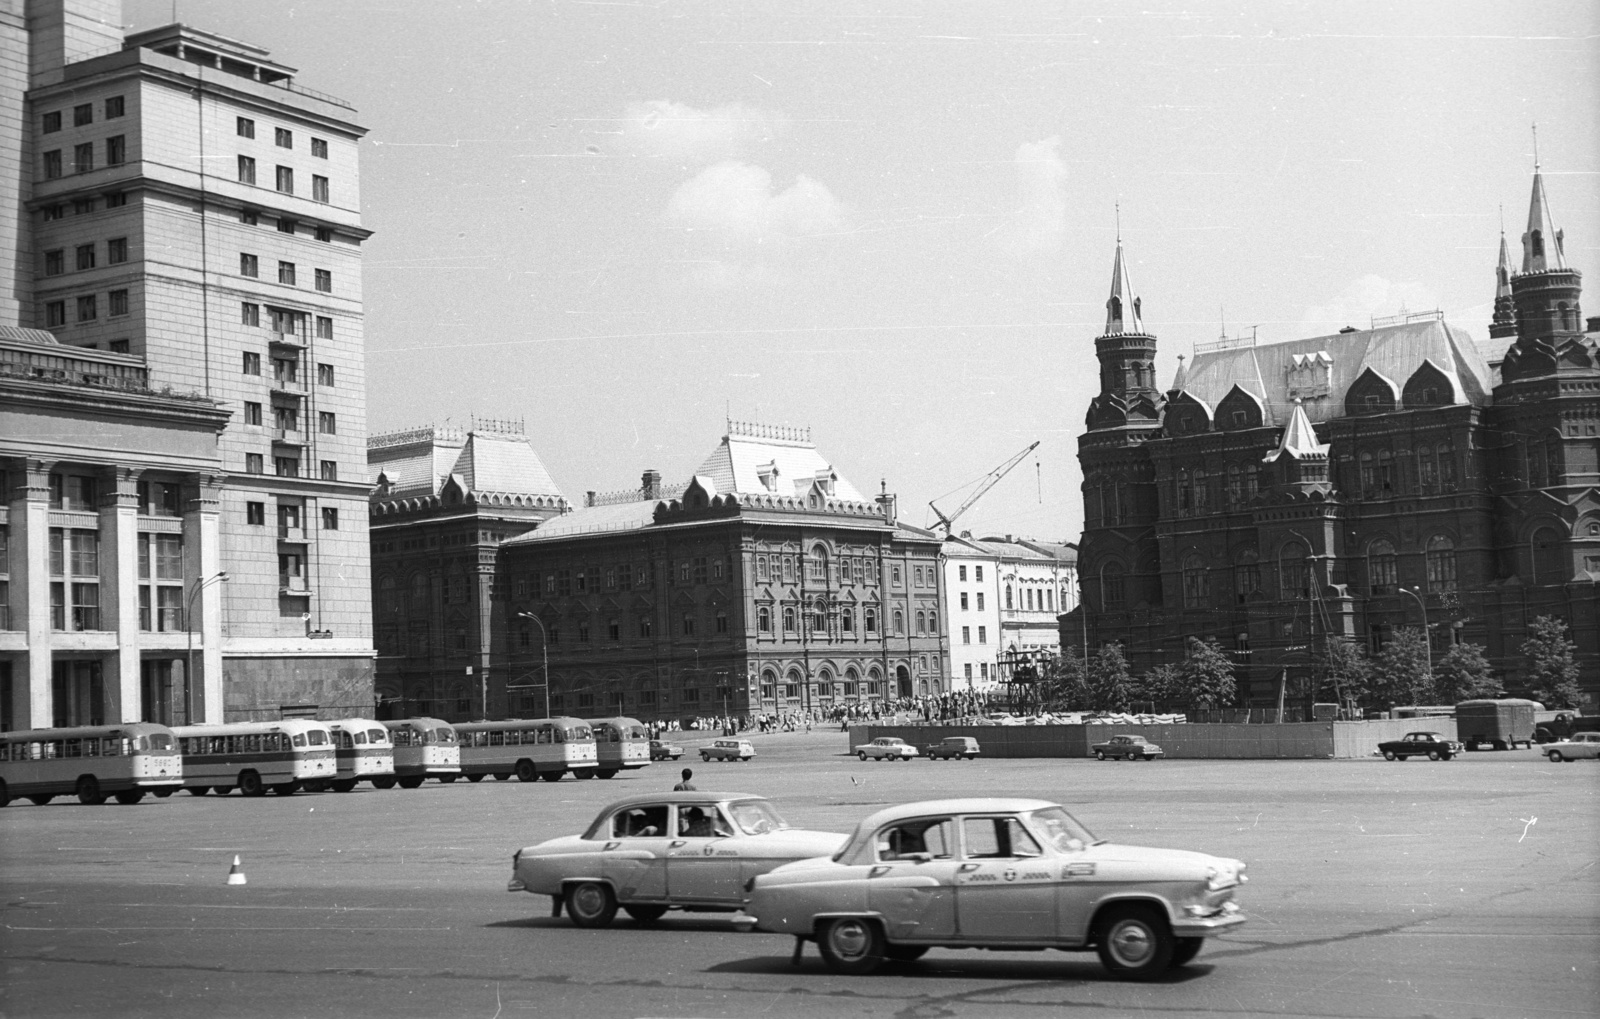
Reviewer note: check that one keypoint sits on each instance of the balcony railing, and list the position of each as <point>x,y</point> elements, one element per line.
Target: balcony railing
<point>282,339</point>
<point>293,387</point>
<point>294,585</point>
<point>288,436</point>
<point>291,532</point>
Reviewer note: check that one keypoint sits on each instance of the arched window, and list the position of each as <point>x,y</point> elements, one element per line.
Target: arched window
<point>1427,470</point>
<point>1294,577</point>
<point>1235,487</point>
<point>1549,557</point>
<point>788,619</point>
<point>1441,564</point>
<point>1027,599</point>
<point>1008,596</point>
<point>933,621</point>
<point>1185,493</point>
<point>899,622</point>
<point>1386,478</point>
<point>419,592</point>
<point>792,683</point>
<point>851,681</point>
<point>1111,586</point>
<point>819,616</point>
<point>869,620</point>
<point>1447,466</point>
<point>1369,477</point>
<point>874,678</point>
<point>1552,457</point>
<point>769,685</point>
<point>1246,575</point>
<point>817,564</point>
<point>922,621</point>
<point>1537,478</point>
<point>1115,305</point>
<point>847,621</point>
<point>1383,570</point>
<point>1195,590</point>
<point>825,683</point>
<point>386,598</point>
<point>1202,500</point>
<point>764,619</point>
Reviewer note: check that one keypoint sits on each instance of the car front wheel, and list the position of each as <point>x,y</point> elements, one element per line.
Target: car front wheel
<point>591,904</point>
<point>862,754</point>
<point>1388,755</point>
<point>1185,950</point>
<point>1433,755</point>
<point>852,946</point>
<point>1099,755</point>
<point>1135,943</point>
<point>1555,757</point>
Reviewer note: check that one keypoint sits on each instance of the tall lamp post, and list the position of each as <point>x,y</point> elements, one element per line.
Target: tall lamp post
<point>544,654</point>
<point>1427,635</point>
<point>220,577</point>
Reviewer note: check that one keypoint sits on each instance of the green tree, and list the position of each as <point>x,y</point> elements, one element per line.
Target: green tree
<point>1161,685</point>
<point>1464,673</point>
<point>1400,673</point>
<point>1206,675</point>
<point>1110,684</point>
<point>1552,667</point>
<point>1348,673</point>
<point>1066,681</point>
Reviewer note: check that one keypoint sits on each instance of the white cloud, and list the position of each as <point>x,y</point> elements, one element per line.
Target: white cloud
<point>1039,224</point>
<point>1368,297</point>
<point>662,128</point>
<point>735,205</point>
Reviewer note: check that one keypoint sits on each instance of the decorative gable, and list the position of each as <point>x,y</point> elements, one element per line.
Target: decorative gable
<point>1239,410</point>
<point>1371,393</point>
<point>1428,386</point>
<point>1310,375</point>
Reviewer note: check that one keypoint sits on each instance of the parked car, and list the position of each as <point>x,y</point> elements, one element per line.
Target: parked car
<point>661,750</point>
<point>728,750</point>
<point>959,747</point>
<point>1433,745</point>
<point>999,874</point>
<point>887,748</point>
<point>1580,746</point>
<point>651,853</point>
<point>1129,748</point>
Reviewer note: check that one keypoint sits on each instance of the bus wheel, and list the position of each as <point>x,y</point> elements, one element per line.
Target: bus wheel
<point>607,773</point>
<point>89,791</point>
<point>502,776</point>
<point>525,772</point>
<point>198,790</point>
<point>591,904</point>
<point>162,794</point>
<point>250,784</point>
<point>583,773</point>
<point>286,788</point>
<point>411,782</point>
<point>342,785</point>
<point>40,799</point>
<point>447,779</point>
<point>129,796</point>
<point>475,778</point>
<point>552,776</point>
<point>386,782</point>
<point>220,790</point>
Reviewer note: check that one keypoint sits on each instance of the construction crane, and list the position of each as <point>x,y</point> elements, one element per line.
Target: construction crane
<point>992,479</point>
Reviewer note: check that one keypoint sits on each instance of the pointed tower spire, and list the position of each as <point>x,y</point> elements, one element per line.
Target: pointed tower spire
<point>1504,322</point>
<point>1181,378</point>
<point>1299,439</point>
<point>1541,244</point>
<point>1122,308</point>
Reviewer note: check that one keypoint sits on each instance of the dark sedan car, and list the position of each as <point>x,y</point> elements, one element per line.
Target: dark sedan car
<point>1432,745</point>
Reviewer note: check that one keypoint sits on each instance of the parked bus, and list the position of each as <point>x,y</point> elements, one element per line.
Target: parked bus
<point>283,756</point>
<point>620,744</point>
<point>529,748</point>
<point>423,748</point>
<point>361,749</point>
<point>126,761</point>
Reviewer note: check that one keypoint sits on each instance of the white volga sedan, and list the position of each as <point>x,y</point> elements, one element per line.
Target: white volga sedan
<point>1579,746</point>
<point>998,874</point>
<point>647,854</point>
<point>887,748</point>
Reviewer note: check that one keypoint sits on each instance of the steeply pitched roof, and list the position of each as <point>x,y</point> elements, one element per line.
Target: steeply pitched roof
<point>1299,438</point>
<point>1122,307</point>
<point>622,516</point>
<point>786,456</point>
<point>1541,244</point>
<point>497,462</point>
<point>1394,351</point>
<point>419,462</point>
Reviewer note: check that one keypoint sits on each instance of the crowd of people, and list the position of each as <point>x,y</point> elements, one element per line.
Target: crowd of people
<point>929,708</point>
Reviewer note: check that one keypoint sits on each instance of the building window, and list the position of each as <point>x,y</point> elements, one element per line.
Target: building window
<point>118,346</point>
<point>330,470</point>
<point>788,619</point>
<point>117,250</point>
<point>116,150</point>
<point>319,189</point>
<point>118,302</point>
<point>722,622</point>
<point>86,308</point>
<point>899,622</point>
<point>249,265</point>
<point>283,138</point>
<point>325,375</point>
<point>114,107</point>
<point>116,199</point>
<point>51,122</point>
<point>247,175</point>
<point>1441,561</point>
<point>961,575</point>
<point>286,466</point>
<point>255,513</point>
<point>1111,586</point>
<point>1294,579</point>
<point>55,313</point>
<point>324,329</point>
<point>1195,588</point>
<point>249,217</point>
<point>253,464</point>
<point>287,225</point>
<point>1246,576</point>
<point>55,262</point>
<point>286,273</point>
<point>894,575</point>
<point>983,635</point>
<point>285,180</point>
<point>966,635</point>
<point>1382,568</point>
<point>245,127</point>
<point>688,624</point>
<point>327,424</point>
<point>52,164</point>
<point>325,234</point>
<point>83,115</point>
<point>250,315</point>
<point>980,599</point>
<point>85,254</point>
<point>319,148</point>
<point>325,280</point>
<point>869,621</point>
<point>330,516</point>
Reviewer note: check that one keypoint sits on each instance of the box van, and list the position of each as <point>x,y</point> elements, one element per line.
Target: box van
<point>728,750</point>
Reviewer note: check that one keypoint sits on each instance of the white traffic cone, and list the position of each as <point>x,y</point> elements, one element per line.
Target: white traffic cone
<point>236,873</point>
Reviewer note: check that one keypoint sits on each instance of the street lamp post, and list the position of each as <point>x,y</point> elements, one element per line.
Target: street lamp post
<point>544,653</point>
<point>1427,635</point>
<point>220,577</point>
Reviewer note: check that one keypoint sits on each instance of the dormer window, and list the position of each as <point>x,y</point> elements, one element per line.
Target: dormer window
<point>768,476</point>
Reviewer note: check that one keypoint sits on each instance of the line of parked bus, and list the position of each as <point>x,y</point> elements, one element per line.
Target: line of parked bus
<point>129,760</point>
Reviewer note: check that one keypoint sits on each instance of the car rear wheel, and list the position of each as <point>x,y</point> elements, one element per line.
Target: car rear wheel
<point>1184,951</point>
<point>1135,943</point>
<point>851,946</point>
<point>1388,755</point>
<point>645,912</point>
<point>250,784</point>
<point>861,754</point>
<point>1555,756</point>
<point>1099,755</point>
<point>591,904</point>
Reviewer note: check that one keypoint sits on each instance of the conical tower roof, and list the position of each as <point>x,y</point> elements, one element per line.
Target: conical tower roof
<point>1541,244</point>
<point>1122,308</point>
<point>1299,439</point>
<point>1180,378</point>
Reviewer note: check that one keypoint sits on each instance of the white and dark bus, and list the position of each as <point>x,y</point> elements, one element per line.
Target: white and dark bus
<point>620,743</point>
<point>529,748</point>
<point>124,761</point>
<point>284,756</point>
<point>424,748</point>
<point>362,749</point>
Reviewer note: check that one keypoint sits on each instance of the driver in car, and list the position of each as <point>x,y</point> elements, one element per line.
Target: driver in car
<point>695,824</point>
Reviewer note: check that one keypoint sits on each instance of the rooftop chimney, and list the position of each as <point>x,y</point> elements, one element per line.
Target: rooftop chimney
<point>650,485</point>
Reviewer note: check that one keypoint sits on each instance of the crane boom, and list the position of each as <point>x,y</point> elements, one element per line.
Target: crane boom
<point>992,479</point>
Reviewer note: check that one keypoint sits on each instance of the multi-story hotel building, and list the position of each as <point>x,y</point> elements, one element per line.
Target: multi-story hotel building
<point>183,382</point>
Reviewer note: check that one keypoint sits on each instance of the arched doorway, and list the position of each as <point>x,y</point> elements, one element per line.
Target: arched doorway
<point>902,677</point>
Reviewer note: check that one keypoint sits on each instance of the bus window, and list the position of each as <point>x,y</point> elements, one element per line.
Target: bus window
<point>316,737</point>
<point>376,735</point>
<point>299,739</point>
<point>158,741</point>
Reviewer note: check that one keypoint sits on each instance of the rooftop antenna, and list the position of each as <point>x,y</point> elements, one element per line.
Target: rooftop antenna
<point>1223,316</point>
<point>1536,147</point>
<point>1118,207</point>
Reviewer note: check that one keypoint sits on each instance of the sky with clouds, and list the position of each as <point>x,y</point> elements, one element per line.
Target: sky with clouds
<point>894,222</point>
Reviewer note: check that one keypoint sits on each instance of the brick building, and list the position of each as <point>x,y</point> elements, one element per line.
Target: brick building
<point>1350,484</point>
<point>179,217</point>
<point>767,582</point>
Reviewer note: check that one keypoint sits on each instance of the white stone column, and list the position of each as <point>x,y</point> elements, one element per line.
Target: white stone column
<point>30,591</point>
<point>203,560</point>
<point>119,590</point>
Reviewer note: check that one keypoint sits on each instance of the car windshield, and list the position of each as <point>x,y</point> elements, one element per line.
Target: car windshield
<point>1061,829</point>
<point>756,817</point>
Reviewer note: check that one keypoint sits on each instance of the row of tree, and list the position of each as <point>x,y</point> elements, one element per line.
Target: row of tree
<point>1401,673</point>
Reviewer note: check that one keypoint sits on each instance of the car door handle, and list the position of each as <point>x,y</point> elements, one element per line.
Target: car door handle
<point>878,871</point>
<point>675,845</point>
<point>966,867</point>
<point>612,845</point>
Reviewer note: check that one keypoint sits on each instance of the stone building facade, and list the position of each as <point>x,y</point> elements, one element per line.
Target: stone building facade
<point>1350,484</point>
<point>767,582</point>
<point>1005,595</point>
<point>189,219</point>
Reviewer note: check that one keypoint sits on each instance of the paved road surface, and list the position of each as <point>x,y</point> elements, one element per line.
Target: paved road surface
<point>1407,890</point>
